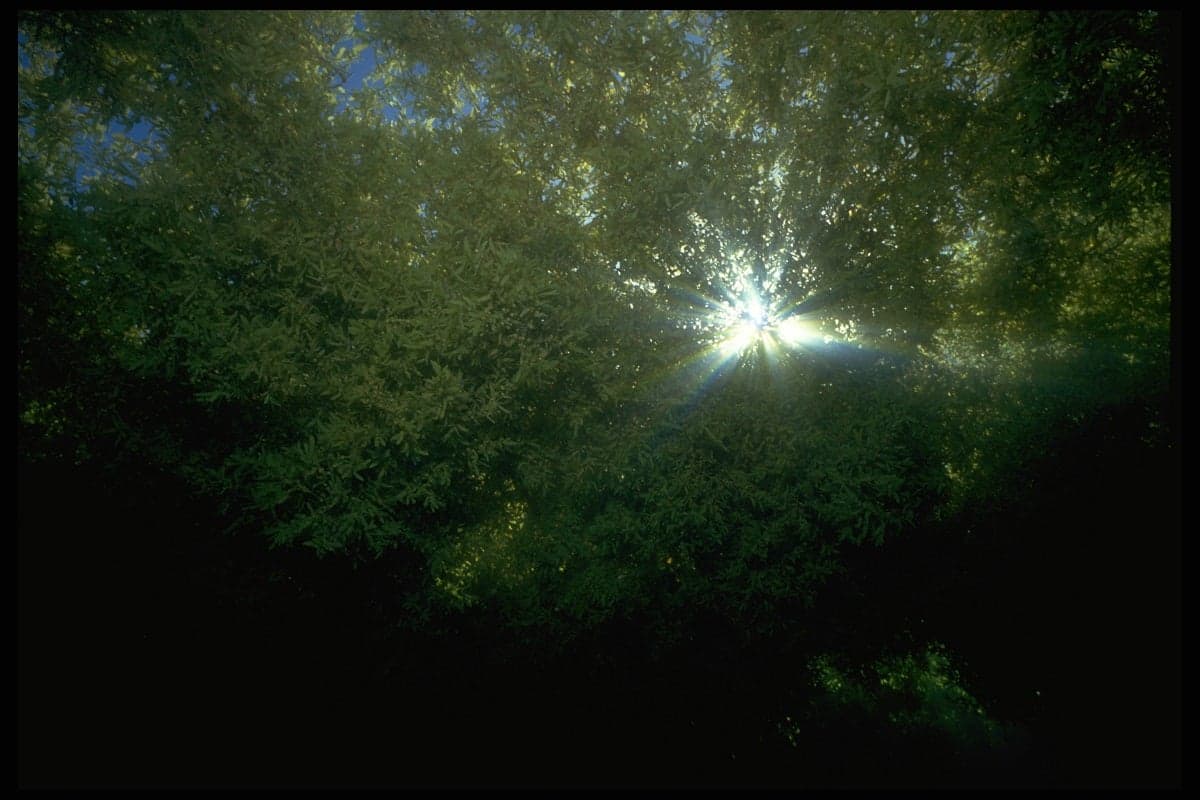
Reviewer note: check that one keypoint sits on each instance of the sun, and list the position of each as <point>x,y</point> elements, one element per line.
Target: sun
<point>744,324</point>
<point>749,320</point>
<point>748,315</point>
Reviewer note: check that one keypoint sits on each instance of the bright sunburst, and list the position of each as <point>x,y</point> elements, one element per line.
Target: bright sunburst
<point>744,323</point>
<point>746,316</point>
<point>753,314</point>
<point>749,320</point>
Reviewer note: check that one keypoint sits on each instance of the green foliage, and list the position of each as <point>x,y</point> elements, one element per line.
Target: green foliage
<point>452,313</point>
<point>913,694</point>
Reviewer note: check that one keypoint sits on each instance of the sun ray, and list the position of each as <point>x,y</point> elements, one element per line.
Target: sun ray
<point>740,317</point>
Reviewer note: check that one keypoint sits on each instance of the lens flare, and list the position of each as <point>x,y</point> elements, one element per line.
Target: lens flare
<point>742,334</point>
<point>749,320</point>
<point>795,332</point>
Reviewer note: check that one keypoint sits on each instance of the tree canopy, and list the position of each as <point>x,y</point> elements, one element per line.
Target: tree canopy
<point>571,318</point>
